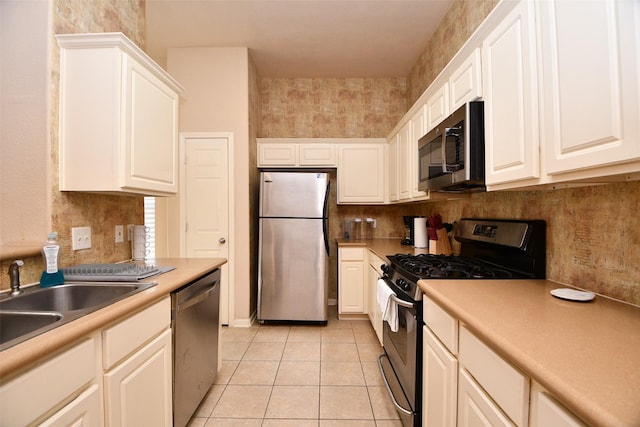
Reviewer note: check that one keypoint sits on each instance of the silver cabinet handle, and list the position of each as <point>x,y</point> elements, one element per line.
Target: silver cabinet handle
<point>222,240</point>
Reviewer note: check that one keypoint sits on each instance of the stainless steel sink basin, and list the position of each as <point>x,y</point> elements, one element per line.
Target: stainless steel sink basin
<point>68,297</point>
<point>38,310</point>
<point>18,324</point>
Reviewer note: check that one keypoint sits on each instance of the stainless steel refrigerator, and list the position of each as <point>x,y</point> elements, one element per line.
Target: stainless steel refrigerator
<point>294,246</point>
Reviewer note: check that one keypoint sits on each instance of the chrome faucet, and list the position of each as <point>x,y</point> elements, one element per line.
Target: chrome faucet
<point>14,276</point>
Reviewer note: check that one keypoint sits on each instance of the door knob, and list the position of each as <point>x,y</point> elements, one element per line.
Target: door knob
<point>222,240</point>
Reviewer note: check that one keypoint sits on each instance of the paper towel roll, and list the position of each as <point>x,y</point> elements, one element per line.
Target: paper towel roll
<point>420,237</point>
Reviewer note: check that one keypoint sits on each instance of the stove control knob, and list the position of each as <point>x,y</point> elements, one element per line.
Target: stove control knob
<point>385,268</point>
<point>402,284</point>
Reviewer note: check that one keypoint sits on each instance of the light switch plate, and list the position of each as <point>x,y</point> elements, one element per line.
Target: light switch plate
<point>80,238</point>
<point>119,233</point>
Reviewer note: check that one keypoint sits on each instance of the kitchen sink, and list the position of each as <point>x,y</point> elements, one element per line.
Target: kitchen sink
<point>22,324</point>
<point>38,310</point>
<point>68,297</point>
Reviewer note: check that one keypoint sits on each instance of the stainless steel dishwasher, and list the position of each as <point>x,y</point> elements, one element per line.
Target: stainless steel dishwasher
<point>195,312</point>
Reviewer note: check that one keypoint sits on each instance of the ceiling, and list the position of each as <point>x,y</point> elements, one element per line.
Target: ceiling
<point>301,38</point>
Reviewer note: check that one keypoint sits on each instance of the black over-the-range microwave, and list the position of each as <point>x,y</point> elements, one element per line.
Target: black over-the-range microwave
<point>451,155</point>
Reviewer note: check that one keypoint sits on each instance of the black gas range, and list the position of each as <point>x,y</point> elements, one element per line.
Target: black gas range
<point>489,249</point>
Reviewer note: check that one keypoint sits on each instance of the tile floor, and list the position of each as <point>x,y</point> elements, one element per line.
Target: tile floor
<point>296,375</point>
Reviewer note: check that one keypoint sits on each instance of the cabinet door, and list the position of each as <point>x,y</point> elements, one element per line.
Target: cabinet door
<point>394,168</point>
<point>83,411</point>
<point>351,286</point>
<point>418,130</point>
<point>150,145</point>
<point>361,173</point>
<point>439,383</point>
<point>510,98</point>
<point>437,107</point>
<point>277,154</point>
<point>375,314</point>
<point>475,408</point>
<point>465,84</point>
<point>404,162</point>
<point>138,391</point>
<point>547,411</point>
<point>589,83</point>
<point>317,155</point>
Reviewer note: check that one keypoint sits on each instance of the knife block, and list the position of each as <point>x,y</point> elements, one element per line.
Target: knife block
<point>442,246</point>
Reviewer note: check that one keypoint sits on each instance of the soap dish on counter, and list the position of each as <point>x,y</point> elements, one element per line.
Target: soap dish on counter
<point>573,294</point>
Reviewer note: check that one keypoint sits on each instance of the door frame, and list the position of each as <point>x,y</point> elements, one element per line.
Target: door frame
<point>184,136</point>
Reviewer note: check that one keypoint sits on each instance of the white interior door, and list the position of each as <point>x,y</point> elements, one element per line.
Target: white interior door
<point>206,205</point>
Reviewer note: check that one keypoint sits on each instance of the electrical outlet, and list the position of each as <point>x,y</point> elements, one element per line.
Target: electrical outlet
<point>119,233</point>
<point>80,238</point>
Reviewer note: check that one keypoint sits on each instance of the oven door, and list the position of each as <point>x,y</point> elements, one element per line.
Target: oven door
<point>399,363</point>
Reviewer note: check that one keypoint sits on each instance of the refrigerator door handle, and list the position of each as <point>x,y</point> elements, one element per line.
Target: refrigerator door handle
<point>325,217</point>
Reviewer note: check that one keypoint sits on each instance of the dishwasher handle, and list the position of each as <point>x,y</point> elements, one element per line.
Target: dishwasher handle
<point>195,299</point>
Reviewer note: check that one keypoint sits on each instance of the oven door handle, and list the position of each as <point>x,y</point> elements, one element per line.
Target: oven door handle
<point>386,384</point>
<point>401,302</point>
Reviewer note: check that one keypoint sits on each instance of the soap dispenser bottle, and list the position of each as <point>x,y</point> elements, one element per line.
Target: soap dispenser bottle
<point>51,275</point>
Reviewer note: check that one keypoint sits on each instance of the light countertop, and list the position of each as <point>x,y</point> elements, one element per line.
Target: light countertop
<point>16,359</point>
<point>586,354</point>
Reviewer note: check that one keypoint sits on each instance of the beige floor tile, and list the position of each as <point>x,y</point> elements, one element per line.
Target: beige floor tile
<point>272,333</point>
<point>293,402</point>
<point>369,352</point>
<point>226,371</point>
<point>372,374</point>
<point>339,352</point>
<point>231,422</point>
<point>305,334</point>
<point>366,336</point>
<point>361,325</point>
<point>289,423</point>
<point>298,373</point>
<point>383,408</point>
<point>302,351</point>
<point>335,323</point>
<point>242,401</point>
<point>255,372</point>
<point>230,334</point>
<point>264,351</point>
<point>340,403</point>
<point>338,335</point>
<point>341,373</point>
<point>197,422</point>
<point>209,401</point>
<point>233,350</point>
<point>388,423</point>
<point>347,423</point>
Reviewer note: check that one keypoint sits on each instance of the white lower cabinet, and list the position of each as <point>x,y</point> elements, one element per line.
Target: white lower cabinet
<point>439,383</point>
<point>138,391</point>
<point>351,281</point>
<point>475,407</point>
<point>83,411</point>
<point>50,390</point>
<point>547,411</point>
<point>137,364</point>
<point>373,309</point>
<point>465,383</point>
<point>118,376</point>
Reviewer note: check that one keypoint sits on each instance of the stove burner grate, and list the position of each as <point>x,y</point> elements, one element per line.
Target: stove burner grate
<point>449,267</point>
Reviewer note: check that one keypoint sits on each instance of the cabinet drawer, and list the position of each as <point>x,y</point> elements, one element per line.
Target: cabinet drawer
<point>130,334</point>
<point>47,385</point>
<point>351,254</point>
<point>444,326</point>
<point>505,384</point>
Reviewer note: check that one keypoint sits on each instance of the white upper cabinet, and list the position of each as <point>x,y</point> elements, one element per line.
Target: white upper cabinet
<point>394,168</point>
<point>510,98</point>
<point>437,107</point>
<point>405,157</point>
<point>291,152</point>
<point>361,173</point>
<point>418,130</point>
<point>118,118</point>
<point>465,84</point>
<point>589,84</point>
